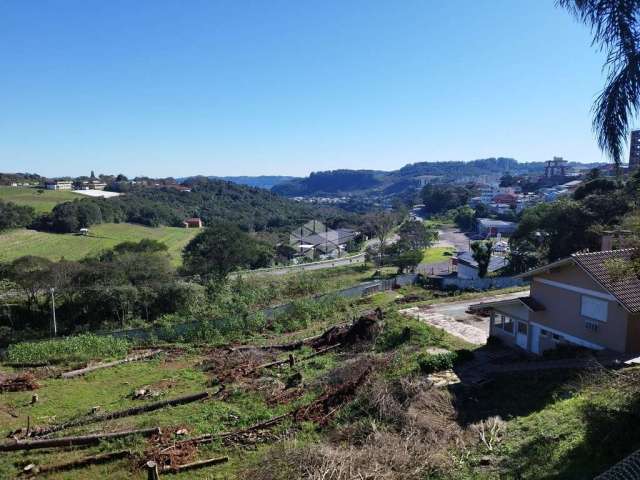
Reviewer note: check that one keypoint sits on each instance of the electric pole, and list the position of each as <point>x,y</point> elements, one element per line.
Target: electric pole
<point>53,311</point>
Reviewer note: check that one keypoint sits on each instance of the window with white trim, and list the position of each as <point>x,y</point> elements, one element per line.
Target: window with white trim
<point>594,308</point>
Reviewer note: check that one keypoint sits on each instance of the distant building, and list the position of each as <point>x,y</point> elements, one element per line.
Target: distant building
<point>555,168</point>
<point>488,227</point>
<point>59,185</point>
<point>315,238</point>
<point>193,223</point>
<point>634,150</point>
<point>468,267</point>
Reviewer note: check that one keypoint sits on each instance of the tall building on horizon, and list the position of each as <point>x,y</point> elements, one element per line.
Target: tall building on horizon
<point>634,150</point>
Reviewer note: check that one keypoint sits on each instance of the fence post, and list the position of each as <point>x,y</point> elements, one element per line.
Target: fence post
<point>152,470</point>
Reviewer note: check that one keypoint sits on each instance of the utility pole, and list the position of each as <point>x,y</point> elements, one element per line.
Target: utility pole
<point>53,311</point>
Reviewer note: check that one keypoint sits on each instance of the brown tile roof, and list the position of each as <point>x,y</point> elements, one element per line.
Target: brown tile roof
<point>626,290</point>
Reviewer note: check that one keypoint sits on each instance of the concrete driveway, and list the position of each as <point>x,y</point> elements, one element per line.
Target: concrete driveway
<point>452,317</point>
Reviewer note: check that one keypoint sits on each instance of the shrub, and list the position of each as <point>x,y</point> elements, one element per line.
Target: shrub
<point>78,348</point>
<point>443,361</point>
<point>435,363</point>
<point>399,330</point>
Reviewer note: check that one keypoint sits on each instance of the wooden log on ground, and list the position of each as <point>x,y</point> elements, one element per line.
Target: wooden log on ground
<point>320,352</point>
<point>194,465</point>
<point>135,358</point>
<point>210,437</point>
<point>292,345</point>
<point>73,441</point>
<point>83,462</point>
<point>194,397</point>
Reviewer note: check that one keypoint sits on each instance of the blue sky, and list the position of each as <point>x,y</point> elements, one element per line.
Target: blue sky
<point>239,87</point>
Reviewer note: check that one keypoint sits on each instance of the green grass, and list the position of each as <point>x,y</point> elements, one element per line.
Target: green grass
<point>54,246</point>
<point>559,425</point>
<point>41,202</point>
<point>437,254</point>
<point>78,348</point>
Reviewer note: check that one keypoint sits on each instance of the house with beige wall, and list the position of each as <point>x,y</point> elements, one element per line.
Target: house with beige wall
<point>575,301</point>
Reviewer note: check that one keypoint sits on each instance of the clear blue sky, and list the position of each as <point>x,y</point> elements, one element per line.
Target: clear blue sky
<point>241,87</point>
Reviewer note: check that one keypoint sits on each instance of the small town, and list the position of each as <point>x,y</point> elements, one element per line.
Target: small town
<point>283,240</point>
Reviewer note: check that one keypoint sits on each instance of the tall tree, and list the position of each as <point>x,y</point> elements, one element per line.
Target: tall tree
<point>221,248</point>
<point>381,225</point>
<point>615,27</point>
<point>481,252</point>
<point>415,235</point>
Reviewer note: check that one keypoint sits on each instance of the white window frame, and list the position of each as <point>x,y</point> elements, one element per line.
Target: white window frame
<point>594,314</point>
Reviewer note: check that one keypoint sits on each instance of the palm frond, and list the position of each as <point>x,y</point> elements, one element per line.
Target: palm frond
<point>615,28</point>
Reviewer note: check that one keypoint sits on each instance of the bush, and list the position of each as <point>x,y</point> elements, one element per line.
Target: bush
<point>435,363</point>
<point>70,349</point>
<point>399,330</point>
<point>443,361</point>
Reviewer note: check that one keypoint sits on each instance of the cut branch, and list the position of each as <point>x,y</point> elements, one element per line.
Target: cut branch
<point>194,465</point>
<point>125,413</point>
<point>135,358</point>
<point>73,441</point>
<point>83,462</point>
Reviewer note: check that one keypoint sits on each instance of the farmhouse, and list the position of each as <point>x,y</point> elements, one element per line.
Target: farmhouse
<point>193,223</point>
<point>572,301</point>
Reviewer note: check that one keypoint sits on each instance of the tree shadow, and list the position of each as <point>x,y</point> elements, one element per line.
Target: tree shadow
<point>507,395</point>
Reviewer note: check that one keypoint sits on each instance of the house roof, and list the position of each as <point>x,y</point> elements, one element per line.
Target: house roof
<point>627,289</point>
<point>596,265</point>
<point>527,302</point>
<point>490,222</point>
<point>496,263</point>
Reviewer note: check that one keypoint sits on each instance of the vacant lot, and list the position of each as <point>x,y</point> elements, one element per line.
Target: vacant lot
<point>42,200</point>
<point>54,246</point>
<point>437,254</point>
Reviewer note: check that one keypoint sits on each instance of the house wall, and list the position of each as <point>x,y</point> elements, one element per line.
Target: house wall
<point>562,309</point>
<point>633,333</point>
<point>467,272</point>
<point>516,312</point>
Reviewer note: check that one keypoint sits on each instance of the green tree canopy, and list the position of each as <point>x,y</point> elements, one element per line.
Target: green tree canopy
<point>222,248</point>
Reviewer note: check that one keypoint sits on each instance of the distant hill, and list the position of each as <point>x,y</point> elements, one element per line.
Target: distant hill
<point>262,181</point>
<point>331,183</point>
<point>377,182</point>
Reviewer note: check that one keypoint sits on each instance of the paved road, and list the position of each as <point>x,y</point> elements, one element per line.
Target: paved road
<point>453,318</point>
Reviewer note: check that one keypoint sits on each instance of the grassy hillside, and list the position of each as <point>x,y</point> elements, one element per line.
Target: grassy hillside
<point>42,202</point>
<point>54,246</point>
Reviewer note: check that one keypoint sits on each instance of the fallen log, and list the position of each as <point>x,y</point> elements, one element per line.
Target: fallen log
<point>194,465</point>
<point>291,361</point>
<point>82,462</point>
<point>320,352</point>
<point>124,413</point>
<point>135,358</point>
<point>73,441</point>
<point>211,437</point>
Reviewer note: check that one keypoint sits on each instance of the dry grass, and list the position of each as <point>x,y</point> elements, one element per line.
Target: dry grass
<point>404,429</point>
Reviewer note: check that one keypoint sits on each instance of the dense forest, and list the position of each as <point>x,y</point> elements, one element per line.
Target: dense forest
<point>252,209</point>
